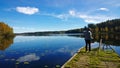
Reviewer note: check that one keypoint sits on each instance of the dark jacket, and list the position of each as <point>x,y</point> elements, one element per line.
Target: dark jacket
<point>88,35</point>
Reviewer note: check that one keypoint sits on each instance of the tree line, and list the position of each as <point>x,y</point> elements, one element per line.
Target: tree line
<point>109,26</point>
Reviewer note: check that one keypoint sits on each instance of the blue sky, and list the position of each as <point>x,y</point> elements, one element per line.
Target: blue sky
<point>52,15</point>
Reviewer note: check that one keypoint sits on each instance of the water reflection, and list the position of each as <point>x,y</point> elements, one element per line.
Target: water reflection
<point>5,43</point>
<point>108,39</point>
<point>28,58</point>
<point>39,51</point>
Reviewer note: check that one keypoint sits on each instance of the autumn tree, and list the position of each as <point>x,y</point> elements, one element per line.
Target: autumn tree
<point>5,30</point>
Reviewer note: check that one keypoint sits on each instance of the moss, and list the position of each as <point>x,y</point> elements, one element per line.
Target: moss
<point>94,61</point>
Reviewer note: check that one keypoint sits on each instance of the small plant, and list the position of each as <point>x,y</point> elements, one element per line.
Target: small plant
<point>57,66</point>
<point>46,66</point>
<point>26,62</point>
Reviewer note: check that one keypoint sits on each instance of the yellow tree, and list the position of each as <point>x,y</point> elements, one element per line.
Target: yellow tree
<point>5,30</point>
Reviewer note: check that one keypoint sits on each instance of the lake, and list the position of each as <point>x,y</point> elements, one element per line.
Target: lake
<point>42,51</point>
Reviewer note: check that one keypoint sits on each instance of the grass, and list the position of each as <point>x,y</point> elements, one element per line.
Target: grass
<point>96,58</point>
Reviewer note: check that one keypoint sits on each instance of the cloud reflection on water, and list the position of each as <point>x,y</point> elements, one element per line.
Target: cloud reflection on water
<point>28,58</point>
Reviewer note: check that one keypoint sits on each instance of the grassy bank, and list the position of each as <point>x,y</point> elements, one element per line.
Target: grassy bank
<point>96,58</point>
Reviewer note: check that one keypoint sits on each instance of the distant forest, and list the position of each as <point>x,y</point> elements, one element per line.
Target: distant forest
<point>109,26</point>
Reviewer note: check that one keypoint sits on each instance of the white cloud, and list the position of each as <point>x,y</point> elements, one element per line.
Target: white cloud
<point>28,58</point>
<point>86,16</point>
<point>72,12</point>
<point>27,10</point>
<point>59,16</point>
<point>62,16</point>
<point>90,18</point>
<point>95,18</point>
<point>104,9</point>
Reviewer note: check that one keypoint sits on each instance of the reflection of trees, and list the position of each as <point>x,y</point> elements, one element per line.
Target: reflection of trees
<point>5,42</point>
<point>110,39</point>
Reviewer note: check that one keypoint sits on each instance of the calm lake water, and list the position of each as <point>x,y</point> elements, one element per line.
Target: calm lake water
<point>41,51</point>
